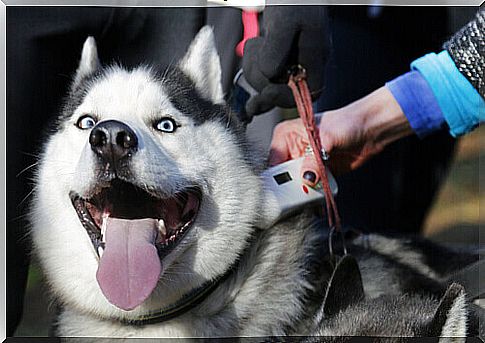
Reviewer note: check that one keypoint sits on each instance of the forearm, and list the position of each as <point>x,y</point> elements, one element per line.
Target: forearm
<point>380,117</point>
<point>418,102</point>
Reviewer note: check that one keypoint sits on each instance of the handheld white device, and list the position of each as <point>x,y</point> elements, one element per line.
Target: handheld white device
<point>285,192</point>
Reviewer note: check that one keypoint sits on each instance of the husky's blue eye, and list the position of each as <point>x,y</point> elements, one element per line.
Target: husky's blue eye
<point>166,125</point>
<point>86,122</point>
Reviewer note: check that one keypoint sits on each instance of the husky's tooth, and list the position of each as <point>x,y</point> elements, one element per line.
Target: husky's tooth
<point>100,251</point>
<point>161,227</point>
<point>103,226</point>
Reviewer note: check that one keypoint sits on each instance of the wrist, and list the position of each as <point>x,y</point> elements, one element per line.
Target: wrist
<point>381,118</point>
<point>418,103</point>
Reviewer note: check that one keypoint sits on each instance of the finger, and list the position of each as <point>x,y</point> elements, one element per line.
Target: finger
<point>258,104</point>
<point>274,94</point>
<point>326,143</point>
<point>283,95</point>
<point>276,157</point>
<point>279,94</point>
<point>296,144</point>
<point>326,140</point>
<point>314,56</point>
<point>309,171</point>
<point>286,146</point>
<point>250,64</point>
<point>278,152</point>
<point>280,25</point>
<point>288,141</point>
<point>315,66</point>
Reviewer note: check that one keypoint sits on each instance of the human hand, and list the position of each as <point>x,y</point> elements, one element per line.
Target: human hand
<point>350,135</point>
<point>291,35</point>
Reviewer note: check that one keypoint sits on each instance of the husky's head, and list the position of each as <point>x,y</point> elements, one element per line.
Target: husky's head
<point>146,191</point>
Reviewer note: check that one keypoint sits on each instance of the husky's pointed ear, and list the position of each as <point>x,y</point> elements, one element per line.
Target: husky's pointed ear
<point>201,63</point>
<point>89,60</point>
<point>450,319</point>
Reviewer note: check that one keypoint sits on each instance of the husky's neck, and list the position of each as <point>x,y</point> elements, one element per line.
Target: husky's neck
<point>268,291</point>
<point>264,296</point>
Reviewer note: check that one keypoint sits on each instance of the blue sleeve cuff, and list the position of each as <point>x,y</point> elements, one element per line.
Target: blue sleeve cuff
<point>418,103</point>
<point>462,106</point>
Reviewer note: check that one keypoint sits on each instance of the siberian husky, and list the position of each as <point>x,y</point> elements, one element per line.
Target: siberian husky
<point>145,222</point>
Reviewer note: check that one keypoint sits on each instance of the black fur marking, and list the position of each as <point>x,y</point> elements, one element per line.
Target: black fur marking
<point>180,90</point>
<point>410,280</point>
<point>182,94</point>
<point>444,261</point>
<point>344,287</point>
<point>185,97</point>
<point>77,93</point>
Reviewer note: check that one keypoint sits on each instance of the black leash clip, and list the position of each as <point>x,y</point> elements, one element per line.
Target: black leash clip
<point>297,71</point>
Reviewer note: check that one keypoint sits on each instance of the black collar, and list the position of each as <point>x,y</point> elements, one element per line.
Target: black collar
<point>184,304</point>
<point>194,297</point>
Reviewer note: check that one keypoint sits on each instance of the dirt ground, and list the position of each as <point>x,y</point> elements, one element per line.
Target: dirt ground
<point>455,218</point>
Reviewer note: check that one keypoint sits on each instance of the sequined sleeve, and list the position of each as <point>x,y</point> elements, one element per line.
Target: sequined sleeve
<point>467,49</point>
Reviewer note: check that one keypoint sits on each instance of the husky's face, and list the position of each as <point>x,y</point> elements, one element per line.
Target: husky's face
<point>144,193</point>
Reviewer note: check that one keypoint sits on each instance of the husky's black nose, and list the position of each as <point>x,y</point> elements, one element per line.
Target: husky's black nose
<point>112,141</point>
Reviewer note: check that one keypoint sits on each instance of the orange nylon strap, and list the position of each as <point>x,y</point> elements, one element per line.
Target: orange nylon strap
<point>301,93</point>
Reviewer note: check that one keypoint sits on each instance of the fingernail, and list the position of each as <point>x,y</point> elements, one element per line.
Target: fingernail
<point>310,176</point>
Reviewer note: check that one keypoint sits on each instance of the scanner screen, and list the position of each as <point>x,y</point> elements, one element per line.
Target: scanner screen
<point>282,178</point>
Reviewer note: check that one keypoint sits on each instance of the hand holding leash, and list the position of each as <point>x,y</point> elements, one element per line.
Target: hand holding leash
<point>350,135</point>
<point>290,35</point>
<point>301,93</point>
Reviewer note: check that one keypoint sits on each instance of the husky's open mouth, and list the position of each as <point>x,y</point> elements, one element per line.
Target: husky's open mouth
<point>124,200</point>
<point>132,231</point>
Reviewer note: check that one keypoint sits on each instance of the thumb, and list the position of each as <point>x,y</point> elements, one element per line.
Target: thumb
<point>309,171</point>
<point>258,104</point>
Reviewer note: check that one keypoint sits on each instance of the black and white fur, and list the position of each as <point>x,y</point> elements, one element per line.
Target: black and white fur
<point>275,289</point>
<point>394,317</point>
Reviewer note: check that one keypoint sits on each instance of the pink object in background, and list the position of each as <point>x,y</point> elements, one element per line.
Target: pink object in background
<point>250,29</point>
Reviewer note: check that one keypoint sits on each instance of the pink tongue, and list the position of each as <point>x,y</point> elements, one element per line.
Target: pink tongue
<point>129,267</point>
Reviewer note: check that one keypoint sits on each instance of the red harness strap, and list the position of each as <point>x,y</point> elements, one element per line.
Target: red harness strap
<point>301,93</point>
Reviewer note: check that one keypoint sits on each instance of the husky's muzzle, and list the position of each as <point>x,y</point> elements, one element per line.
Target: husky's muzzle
<point>114,143</point>
<point>131,229</point>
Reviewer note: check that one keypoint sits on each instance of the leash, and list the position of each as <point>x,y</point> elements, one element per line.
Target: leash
<point>301,93</point>
<point>298,84</point>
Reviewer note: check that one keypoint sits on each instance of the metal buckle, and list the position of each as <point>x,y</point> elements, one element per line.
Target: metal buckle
<point>297,72</point>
